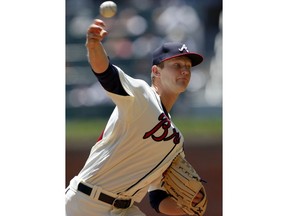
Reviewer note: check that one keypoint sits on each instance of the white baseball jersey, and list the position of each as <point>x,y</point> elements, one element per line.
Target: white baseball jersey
<point>137,145</point>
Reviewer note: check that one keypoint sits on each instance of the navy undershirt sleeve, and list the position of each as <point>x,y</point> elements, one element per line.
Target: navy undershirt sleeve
<point>156,197</point>
<point>110,80</point>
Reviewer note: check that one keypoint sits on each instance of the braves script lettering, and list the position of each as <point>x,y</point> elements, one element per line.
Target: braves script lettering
<point>164,124</point>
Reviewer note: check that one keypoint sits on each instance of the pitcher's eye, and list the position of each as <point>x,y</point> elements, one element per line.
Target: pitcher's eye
<point>177,66</point>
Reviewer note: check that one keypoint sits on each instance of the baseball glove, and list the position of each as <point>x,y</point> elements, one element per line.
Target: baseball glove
<point>183,183</point>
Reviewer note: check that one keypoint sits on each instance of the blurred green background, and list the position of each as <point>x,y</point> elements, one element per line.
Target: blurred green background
<point>80,132</point>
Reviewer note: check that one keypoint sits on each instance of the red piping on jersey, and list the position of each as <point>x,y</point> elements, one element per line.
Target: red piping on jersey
<point>101,136</point>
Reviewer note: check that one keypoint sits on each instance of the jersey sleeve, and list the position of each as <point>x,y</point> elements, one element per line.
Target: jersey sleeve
<point>130,95</point>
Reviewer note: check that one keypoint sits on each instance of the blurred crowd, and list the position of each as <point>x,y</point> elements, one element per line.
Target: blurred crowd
<point>138,28</point>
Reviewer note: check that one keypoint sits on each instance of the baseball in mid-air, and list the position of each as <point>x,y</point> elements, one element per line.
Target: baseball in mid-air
<point>108,9</point>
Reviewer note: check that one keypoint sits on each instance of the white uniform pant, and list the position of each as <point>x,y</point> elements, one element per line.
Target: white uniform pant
<point>79,204</point>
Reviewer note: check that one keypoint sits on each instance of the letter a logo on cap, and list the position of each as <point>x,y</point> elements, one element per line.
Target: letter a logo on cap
<point>184,47</point>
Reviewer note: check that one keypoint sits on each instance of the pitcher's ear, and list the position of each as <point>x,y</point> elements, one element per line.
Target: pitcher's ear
<point>155,70</point>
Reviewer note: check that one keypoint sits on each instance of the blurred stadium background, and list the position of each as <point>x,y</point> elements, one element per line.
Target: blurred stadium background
<point>137,29</point>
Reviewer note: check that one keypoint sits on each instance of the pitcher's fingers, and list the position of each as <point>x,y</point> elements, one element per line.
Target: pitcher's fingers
<point>100,23</point>
<point>103,33</point>
<point>93,36</point>
<point>198,198</point>
<point>97,35</point>
<point>94,29</point>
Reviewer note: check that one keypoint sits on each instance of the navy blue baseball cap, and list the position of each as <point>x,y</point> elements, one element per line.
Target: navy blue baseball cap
<point>171,50</point>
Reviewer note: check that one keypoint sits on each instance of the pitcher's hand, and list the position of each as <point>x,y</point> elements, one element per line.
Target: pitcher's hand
<point>95,33</point>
